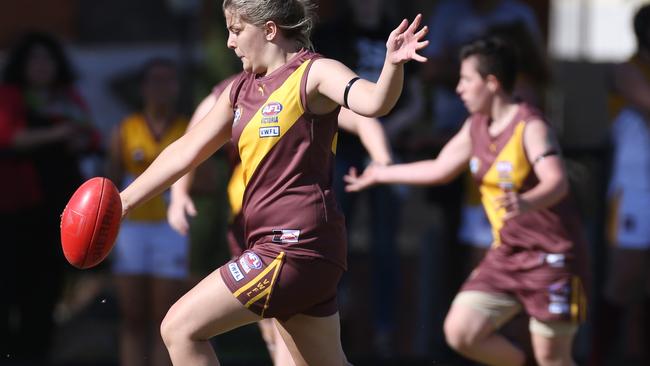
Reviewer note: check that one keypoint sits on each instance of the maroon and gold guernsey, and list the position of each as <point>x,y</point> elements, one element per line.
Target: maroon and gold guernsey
<point>540,256</point>
<point>499,163</point>
<point>287,157</point>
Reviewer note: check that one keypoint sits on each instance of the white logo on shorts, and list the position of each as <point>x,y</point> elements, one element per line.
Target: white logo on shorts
<point>286,236</point>
<point>558,308</point>
<point>234,270</point>
<point>244,266</point>
<point>555,260</point>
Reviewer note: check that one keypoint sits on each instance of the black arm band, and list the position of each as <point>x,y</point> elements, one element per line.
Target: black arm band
<point>544,155</point>
<point>347,91</point>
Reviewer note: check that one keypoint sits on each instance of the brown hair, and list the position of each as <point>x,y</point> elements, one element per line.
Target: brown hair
<point>294,17</point>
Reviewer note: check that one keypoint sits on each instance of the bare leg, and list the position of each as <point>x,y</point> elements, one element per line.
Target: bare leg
<point>555,351</point>
<point>274,343</point>
<point>133,295</point>
<point>472,334</point>
<point>206,310</point>
<point>281,355</point>
<point>164,293</point>
<point>314,341</point>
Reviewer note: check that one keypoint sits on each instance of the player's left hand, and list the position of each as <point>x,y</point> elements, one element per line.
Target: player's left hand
<point>513,203</point>
<point>403,42</point>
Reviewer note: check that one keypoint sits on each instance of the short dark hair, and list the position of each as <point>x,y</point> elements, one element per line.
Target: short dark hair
<point>642,26</point>
<point>495,57</point>
<point>14,70</point>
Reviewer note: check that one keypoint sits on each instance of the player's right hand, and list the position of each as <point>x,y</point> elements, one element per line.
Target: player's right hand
<point>180,207</point>
<point>355,182</point>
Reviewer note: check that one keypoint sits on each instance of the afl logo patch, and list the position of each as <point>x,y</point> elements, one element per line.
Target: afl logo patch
<point>271,109</point>
<point>474,164</point>
<point>250,260</point>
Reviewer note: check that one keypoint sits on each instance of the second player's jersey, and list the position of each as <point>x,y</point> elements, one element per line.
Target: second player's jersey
<point>139,148</point>
<point>287,157</point>
<point>499,163</point>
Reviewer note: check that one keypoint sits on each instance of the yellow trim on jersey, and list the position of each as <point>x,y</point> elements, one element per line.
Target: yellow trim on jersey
<point>236,189</point>
<point>335,142</point>
<point>513,155</point>
<point>252,147</point>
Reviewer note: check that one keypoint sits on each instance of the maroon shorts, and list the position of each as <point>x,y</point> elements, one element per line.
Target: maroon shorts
<point>550,291</point>
<point>273,284</point>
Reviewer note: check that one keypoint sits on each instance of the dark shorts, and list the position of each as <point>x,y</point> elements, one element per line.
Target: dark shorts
<point>273,284</point>
<point>550,292</point>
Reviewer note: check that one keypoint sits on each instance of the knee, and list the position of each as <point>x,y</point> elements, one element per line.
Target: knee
<point>457,336</point>
<point>550,357</point>
<point>173,329</point>
<point>553,354</point>
<point>167,329</point>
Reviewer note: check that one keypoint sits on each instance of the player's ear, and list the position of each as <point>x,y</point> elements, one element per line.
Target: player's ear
<point>492,83</point>
<point>270,30</point>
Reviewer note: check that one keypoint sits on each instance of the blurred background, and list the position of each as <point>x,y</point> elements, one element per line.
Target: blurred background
<point>406,257</point>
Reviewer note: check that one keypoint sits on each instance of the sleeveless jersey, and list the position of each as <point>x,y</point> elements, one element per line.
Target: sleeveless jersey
<point>139,148</point>
<point>287,157</point>
<point>500,163</point>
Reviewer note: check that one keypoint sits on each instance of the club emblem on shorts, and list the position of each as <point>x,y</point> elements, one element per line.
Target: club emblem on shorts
<point>250,260</point>
<point>286,236</point>
<point>235,272</point>
<point>558,296</point>
<point>273,131</point>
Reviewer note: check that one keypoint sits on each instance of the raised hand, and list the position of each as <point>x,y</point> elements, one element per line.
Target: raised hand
<point>403,42</point>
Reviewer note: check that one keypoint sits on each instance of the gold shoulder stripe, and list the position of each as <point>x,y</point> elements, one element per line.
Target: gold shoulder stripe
<point>514,154</point>
<point>260,136</point>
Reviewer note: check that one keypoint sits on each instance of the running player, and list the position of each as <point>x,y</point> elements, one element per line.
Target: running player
<point>535,260</point>
<point>281,114</point>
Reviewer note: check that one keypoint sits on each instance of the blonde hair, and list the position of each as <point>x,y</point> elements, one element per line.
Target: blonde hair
<point>294,17</point>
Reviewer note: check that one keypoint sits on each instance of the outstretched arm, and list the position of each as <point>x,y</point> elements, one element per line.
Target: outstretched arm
<point>451,161</point>
<point>370,132</point>
<point>329,78</point>
<point>182,155</point>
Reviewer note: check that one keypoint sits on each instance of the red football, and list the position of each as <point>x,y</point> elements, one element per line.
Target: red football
<point>90,222</point>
